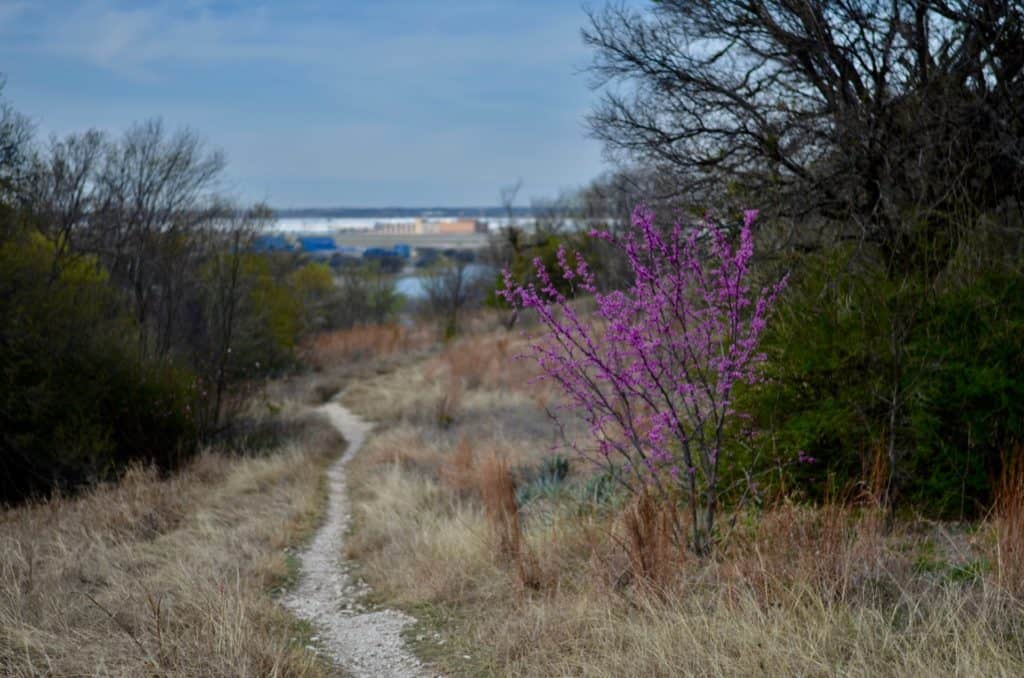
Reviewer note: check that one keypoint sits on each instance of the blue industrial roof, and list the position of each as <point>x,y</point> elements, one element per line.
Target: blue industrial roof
<point>270,243</point>
<point>399,250</point>
<point>317,243</point>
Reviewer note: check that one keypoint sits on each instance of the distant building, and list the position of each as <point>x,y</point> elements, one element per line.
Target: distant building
<point>317,245</point>
<point>401,251</point>
<point>398,227</point>
<point>431,227</point>
<point>463,226</point>
<point>271,243</point>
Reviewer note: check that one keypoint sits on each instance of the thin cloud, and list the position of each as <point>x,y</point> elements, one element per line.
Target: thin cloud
<point>140,38</point>
<point>379,102</point>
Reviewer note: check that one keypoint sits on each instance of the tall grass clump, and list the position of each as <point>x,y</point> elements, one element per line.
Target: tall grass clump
<point>654,555</point>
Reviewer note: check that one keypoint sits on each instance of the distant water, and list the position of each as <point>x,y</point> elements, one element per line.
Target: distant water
<point>411,286</point>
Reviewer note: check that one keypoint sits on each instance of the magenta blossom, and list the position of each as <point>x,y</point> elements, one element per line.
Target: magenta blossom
<point>652,371</point>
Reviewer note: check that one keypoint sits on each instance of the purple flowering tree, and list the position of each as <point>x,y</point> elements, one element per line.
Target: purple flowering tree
<point>651,371</point>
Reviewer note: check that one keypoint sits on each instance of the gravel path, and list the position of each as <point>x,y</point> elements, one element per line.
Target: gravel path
<point>363,643</point>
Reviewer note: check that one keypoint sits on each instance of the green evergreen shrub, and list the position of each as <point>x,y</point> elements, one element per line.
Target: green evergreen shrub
<point>77,403</point>
<point>849,341</point>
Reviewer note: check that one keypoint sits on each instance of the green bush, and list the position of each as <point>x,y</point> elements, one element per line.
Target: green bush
<point>966,410</point>
<point>76,403</point>
<point>929,373</point>
<point>271,318</point>
<point>312,285</point>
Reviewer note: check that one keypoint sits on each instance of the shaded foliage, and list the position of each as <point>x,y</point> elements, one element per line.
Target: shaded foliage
<point>929,376</point>
<point>132,307</point>
<point>368,296</point>
<point>77,403</point>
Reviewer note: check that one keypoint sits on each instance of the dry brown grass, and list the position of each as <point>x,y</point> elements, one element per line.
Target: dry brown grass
<point>164,576</point>
<point>831,590</point>
<point>498,492</point>
<point>459,472</point>
<point>498,495</point>
<point>365,342</point>
<point>770,607</point>
<point>652,542</point>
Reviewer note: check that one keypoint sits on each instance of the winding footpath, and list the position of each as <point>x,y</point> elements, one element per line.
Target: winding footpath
<point>363,643</point>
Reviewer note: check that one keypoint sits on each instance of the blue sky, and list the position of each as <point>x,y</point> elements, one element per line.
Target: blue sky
<point>320,103</point>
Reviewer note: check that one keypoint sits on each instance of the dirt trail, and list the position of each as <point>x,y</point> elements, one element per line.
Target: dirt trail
<point>363,643</point>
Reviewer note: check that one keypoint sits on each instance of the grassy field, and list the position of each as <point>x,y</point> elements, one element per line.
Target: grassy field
<point>178,575</point>
<point>517,564</point>
<point>168,576</point>
<point>515,561</point>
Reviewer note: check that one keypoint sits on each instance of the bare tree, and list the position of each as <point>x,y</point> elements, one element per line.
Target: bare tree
<point>510,235</point>
<point>555,216</point>
<point>895,117</point>
<point>551,217</point>
<point>15,137</point>
<point>146,208</point>
<point>141,205</point>
<point>508,195</point>
<point>451,287</point>
<point>154,190</point>
<point>226,289</point>
<point>62,189</point>
<point>367,294</point>
<point>509,242</point>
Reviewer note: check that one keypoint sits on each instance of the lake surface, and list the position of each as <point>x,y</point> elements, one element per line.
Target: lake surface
<point>411,286</point>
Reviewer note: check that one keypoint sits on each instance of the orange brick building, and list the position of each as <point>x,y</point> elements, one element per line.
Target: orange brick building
<point>425,227</point>
<point>462,226</point>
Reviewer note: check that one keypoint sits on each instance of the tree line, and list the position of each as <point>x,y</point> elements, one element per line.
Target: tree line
<point>134,309</point>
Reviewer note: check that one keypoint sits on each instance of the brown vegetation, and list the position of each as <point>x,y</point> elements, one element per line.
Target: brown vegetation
<point>571,581</point>
<point>1009,520</point>
<point>652,542</point>
<point>332,349</point>
<point>165,576</point>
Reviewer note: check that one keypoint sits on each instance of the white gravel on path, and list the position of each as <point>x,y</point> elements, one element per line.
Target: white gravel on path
<point>363,643</point>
